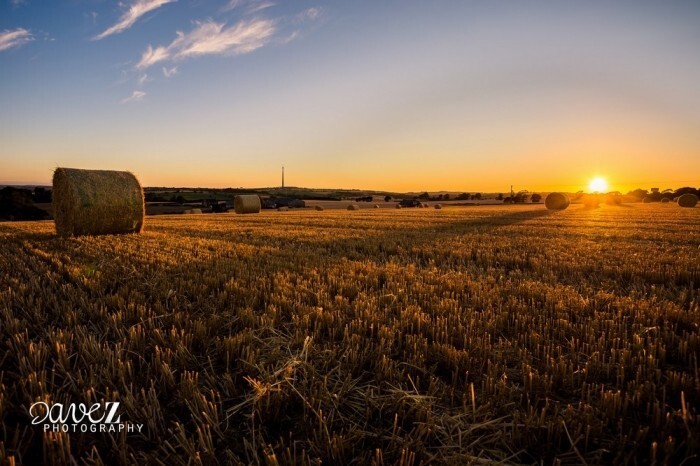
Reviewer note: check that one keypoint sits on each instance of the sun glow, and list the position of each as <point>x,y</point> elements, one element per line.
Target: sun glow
<point>598,185</point>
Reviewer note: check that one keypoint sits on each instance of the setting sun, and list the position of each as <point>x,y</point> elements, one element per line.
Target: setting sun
<point>598,185</point>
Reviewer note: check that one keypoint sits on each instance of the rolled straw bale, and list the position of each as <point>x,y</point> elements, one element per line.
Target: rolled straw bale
<point>557,201</point>
<point>283,209</point>
<point>96,202</point>
<point>665,200</point>
<point>688,200</point>
<point>192,211</point>
<point>438,206</point>
<point>646,200</point>
<point>592,201</point>
<point>376,206</point>
<point>399,206</point>
<point>319,207</point>
<point>353,207</point>
<point>246,204</point>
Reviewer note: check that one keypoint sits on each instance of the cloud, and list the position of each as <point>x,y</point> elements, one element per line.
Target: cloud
<point>252,6</point>
<point>136,96</point>
<point>210,37</point>
<point>17,3</point>
<point>310,14</point>
<point>14,38</point>
<point>130,16</point>
<point>152,56</point>
<point>143,79</point>
<point>169,72</point>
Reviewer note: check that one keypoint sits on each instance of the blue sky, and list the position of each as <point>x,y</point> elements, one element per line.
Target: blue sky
<point>403,95</point>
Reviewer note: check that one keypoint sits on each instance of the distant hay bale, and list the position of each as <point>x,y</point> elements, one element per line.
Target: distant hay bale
<point>246,204</point>
<point>557,201</point>
<point>353,207</point>
<point>192,211</point>
<point>96,202</point>
<point>376,206</point>
<point>438,206</point>
<point>591,201</point>
<point>688,200</point>
<point>646,200</point>
<point>399,206</point>
<point>665,200</point>
<point>283,209</point>
<point>319,207</point>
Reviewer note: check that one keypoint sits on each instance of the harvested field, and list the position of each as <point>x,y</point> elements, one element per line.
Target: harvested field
<point>412,336</point>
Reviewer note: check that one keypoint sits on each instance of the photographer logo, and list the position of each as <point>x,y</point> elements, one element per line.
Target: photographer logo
<point>79,417</point>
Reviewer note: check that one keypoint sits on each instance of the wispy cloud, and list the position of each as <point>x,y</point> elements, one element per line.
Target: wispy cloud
<point>136,96</point>
<point>130,16</point>
<point>252,6</point>
<point>15,38</point>
<point>210,37</point>
<point>143,79</point>
<point>151,56</point>
<point>309,14</point>
<point>17,3</point>
<point>169,72</point>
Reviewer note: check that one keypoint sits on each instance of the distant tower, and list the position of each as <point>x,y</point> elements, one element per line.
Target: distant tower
<point>283,176</point>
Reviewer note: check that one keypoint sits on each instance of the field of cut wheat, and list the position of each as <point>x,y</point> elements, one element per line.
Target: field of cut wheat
<point>418,336</point>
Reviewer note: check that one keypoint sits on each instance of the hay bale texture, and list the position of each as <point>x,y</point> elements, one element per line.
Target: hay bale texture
<point>557,201</point>
<point>319,208</point>
<point>247,204</point>
<point>353,207</point>
<point>438,206</point>
<point>688,200</point>
<point>96,202</point>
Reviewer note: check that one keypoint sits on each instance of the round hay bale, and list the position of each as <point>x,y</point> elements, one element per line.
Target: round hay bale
<point>319,207</point>
<point>665,200</point>
<point>247,204</point>
<point>96,202</point>
<point>688,200</point>
<point>283,209</point>
<point>557,201</point>
<point>376,206</point>
<point>646,200</point>
<point>591,201</point>
<point>353,207</point>
<point>193,211</point>
<point>399,206</point>
<point>438,206</point>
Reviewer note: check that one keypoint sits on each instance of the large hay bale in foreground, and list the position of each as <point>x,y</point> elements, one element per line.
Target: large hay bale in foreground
<point>246,204</point>
<point>96,202</point>
<point>353,207</point>
<point>688,200</point>
<point>557,201</point>
<point>319,207</point>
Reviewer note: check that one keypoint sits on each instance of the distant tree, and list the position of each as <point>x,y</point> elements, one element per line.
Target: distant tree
<point>446,197</point>
<point>425,196</point>
<point>440,197</point>
<point>472,196</point>
<point>499,197</point>
<point>535,198</point>
<point>387,198</point>
<point>462,197</point>
<point>180,200</point>
<point>477,196</point>
<point>638,193</point>
<point>507,200</point>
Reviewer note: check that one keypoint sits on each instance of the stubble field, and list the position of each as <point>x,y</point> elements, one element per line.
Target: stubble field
<point>468,335</point>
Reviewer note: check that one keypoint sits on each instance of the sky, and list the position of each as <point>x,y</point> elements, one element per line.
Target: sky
<point>394,95</point>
